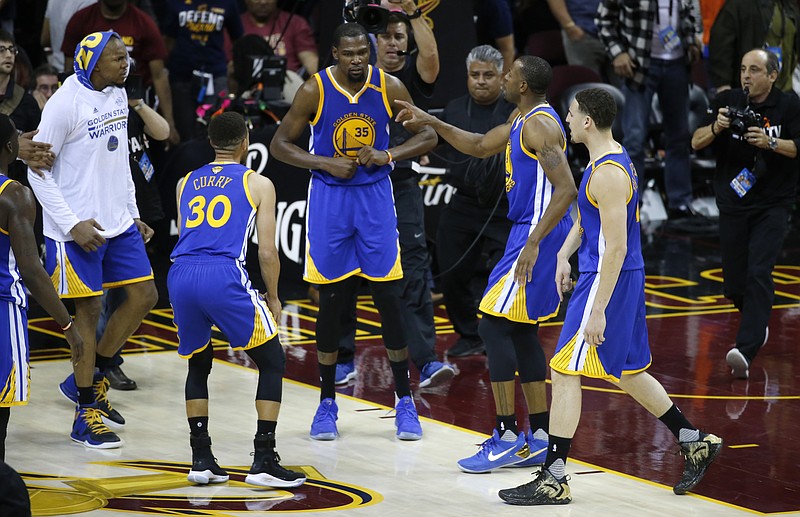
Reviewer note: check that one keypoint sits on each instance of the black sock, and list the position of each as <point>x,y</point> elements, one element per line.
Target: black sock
<point>198,425</point>
<point>400,372</point>
<point>102,363</point>
<point>557,452</point>
<point>540,421</point>
<point>327,379</point>
<point>683,430</point>
<point>266,426</point>
<point>85,396</point>
<point>505,423</point>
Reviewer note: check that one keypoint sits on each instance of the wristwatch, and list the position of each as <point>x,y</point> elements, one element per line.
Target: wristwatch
<point>773,143</point>
<point>416,14</point>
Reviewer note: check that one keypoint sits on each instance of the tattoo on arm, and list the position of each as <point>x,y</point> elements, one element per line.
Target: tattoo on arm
<point>551,156</point>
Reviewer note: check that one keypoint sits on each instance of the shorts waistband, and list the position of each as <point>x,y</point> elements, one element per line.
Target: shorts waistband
<point>204,260</point>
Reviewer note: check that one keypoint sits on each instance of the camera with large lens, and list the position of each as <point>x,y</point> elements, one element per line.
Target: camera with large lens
<point>369,14</point>
<point>743,118</point>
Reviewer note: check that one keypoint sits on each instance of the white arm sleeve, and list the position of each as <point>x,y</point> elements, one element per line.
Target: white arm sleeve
<point>54,129</point>
<point>132,208</point>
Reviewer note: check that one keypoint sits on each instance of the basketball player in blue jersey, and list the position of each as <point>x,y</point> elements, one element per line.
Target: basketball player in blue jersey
<point>610,289</point>
<point>351,221</point>
<point>21,264</point>
<point>520,294</point>
<point>218,205</point>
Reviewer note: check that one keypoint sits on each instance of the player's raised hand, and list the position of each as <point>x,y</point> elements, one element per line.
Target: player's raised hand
<point>412,117</point>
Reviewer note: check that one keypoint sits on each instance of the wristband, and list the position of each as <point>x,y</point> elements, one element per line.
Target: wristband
<point>69,325</point>
<point>139,106</point>
<point>712,129</point>
<point>416,14</point>
<point>390,157</point>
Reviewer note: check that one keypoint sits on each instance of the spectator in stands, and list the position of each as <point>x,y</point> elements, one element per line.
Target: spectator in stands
<point>45,84</point>
<point>288,34</point>
<point>742,25</point>
<point>143,41</point>
<point>495,26</point>
<point>461,234</point>
<point>579,32</point>
<point>197,62</point>
<point>56,17</point>
<point>650,47</point>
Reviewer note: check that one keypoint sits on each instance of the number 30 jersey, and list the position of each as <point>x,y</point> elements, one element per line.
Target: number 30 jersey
<point>217,212</point>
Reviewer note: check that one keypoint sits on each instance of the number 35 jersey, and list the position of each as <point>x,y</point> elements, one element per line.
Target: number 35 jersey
<point>217,212</point>
<point>345,123</point>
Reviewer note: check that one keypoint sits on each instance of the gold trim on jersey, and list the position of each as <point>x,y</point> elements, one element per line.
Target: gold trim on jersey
<point>2,188</point>
<point>9,392</point>
<point>193,353</point>
<point>321,100</point>
<point>518,311</point>
<point>259,336</point>
<point>591,174</point>
<point>522,129</point>
<point>246,175</point>
<point>183,186</point>
<point>353,99</point>
<point>111,285</point>
<point>313,275</point>
<point>592,367</point>
<point>384,93</point>
<point>75,286</point>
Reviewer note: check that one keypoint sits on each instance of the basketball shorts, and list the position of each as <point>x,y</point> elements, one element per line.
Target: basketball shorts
<point>206,291</point>
<point>76,273</point>
<point>537,300</point>
<point>625,350</point>
<point>15,382</point>
<point>350,231</point>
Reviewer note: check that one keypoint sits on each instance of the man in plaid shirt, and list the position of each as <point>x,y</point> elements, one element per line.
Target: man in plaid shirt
<point>651,44</point>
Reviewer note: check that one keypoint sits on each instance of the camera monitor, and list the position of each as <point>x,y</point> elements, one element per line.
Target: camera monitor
<point>270,71</point>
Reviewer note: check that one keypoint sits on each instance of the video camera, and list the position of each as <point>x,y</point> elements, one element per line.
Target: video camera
<point>369,14</point>
<point>743,118</point>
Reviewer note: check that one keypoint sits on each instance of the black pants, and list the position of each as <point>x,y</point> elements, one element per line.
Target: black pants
<point>457,229</point>
<point>750,244</point>
<point>416,293</point>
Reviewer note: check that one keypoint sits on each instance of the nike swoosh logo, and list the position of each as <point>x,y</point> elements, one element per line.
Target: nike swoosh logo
<point>495,457</point>
<point>417,235</point>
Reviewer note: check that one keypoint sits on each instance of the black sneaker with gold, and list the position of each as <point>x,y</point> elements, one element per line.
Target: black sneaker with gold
<point>266,470</point>
<point>545,489</point>
<point>698,457</point>
<point>111,416</point>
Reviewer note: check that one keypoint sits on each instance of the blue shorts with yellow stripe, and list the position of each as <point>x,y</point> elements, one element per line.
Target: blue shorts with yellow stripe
<point>76,273</point>
<point>625,350</point>
<point>538,300</point>
<point>351,230</point>
<point>15,379</point>
<point>206,291</point>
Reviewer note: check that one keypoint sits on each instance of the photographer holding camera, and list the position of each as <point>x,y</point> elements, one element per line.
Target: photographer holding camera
<point>755,141</point>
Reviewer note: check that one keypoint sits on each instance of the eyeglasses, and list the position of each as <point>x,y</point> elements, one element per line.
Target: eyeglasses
<point>12,50</point>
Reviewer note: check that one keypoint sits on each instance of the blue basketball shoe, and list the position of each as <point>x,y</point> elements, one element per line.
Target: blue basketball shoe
<point>345,372</point>
<point>537,446</point>
<point>324,425</point>
<point>435,373</point>
<point>89,429</point>
<point>495,453</point>
<point>111,417</point>
<point>406,420</point>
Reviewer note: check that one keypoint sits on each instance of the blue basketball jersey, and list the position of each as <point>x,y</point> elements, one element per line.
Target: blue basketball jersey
<point>593,244</point>
<point>217,212</point>
<point>528,189</point>
<point>345,123</point>
<point>11,287</point>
